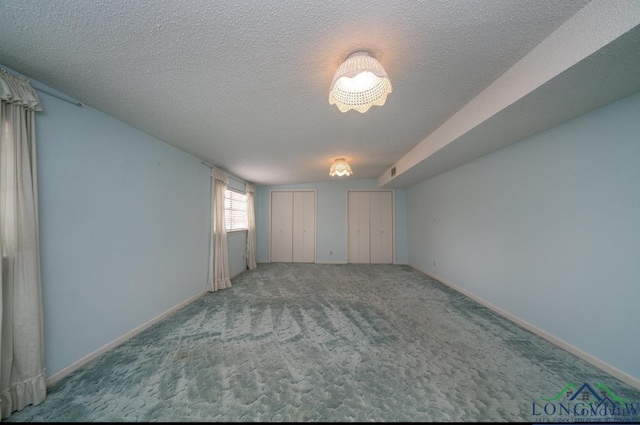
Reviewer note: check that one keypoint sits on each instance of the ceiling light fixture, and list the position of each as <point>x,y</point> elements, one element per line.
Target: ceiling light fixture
<point>340,168</point>
<point>360,82</point>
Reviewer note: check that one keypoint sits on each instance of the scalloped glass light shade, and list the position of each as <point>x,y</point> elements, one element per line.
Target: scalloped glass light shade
<point>360,82</point>
<point>340,168</point>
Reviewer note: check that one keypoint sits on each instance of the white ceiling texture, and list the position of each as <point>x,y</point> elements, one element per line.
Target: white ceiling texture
<point>244,85</point>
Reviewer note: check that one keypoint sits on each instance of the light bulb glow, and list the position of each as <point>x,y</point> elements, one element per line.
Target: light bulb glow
<point>359,83</point>
<point>364,81</point>
<point>340,168</point>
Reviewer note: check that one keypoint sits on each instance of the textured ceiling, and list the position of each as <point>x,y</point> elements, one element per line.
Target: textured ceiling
<point>561,78</point>
<point>244,85</point>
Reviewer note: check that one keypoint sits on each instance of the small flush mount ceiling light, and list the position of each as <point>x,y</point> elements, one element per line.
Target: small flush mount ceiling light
<point>340,168</point>
<point>360,82</point>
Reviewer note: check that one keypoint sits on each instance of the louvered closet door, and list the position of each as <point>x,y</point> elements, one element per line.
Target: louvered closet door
<point>359,227</point>
<point>281,226</point>
<point>381,219</point>
<point>304,229</point>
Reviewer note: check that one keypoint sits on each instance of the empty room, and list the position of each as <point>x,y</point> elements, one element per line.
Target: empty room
<point>328,211</point>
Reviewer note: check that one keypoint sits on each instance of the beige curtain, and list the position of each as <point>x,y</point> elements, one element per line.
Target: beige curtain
<point>22,372</point>
<point>251,223</point>
<point>219,257</point>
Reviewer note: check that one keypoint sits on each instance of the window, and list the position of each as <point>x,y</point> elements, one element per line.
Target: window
<point>235,210</point>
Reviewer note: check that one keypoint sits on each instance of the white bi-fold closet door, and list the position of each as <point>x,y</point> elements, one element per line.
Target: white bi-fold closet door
<point>293,226</point>
<point>370,222</point>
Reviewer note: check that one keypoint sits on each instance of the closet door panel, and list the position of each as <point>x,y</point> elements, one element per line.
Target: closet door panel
<point>287,227</point>
<point>376,227</point>
<point>309,227</point>
<point>281,226</point>
<point>276,226</point>
<point>364,229</point>
<point>298,227</point>
<point>370,222</point>
<point>381,227</point>
<point>293,231</point>
<point>386,227</point>
<point>353,210</point>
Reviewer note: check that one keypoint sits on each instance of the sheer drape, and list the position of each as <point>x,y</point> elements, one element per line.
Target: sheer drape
<point>251,224</point>
<point>219,257</point>
<point>22,372</point>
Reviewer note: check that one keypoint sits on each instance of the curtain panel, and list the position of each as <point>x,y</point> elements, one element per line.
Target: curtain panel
<point>251,224</point>
<point>219,257</point>
<point>22,371</point>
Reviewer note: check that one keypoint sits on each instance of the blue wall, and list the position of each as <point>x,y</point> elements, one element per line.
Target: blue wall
<point>548,230</point>
<point>124,228</point>
<point>237,248</point>
<point>331,219</point>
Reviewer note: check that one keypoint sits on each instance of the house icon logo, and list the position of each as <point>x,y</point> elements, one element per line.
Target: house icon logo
<point>585,402</point>
<point>586,393</point>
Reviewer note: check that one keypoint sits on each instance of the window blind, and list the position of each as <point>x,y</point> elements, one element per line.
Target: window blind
<point>235,210</point>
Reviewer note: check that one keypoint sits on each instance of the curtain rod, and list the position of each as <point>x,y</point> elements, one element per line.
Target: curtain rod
<point>59,97</point>
<point>229,175</point>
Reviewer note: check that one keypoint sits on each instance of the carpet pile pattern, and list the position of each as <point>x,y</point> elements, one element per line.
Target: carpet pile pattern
<point>312,342</point>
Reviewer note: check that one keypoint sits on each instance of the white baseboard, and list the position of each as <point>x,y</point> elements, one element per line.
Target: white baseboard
<point>317,262</point>
<point>86,359</point>
<point>331,262</point>
<point>239,273</point>
<point>611,370</point>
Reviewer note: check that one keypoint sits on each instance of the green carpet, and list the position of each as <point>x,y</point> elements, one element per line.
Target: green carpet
<point>311,342</point>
